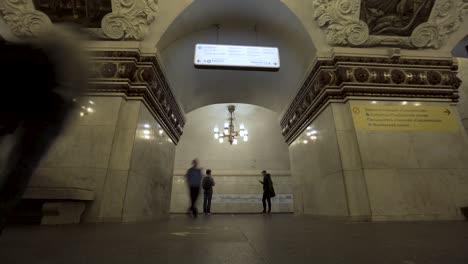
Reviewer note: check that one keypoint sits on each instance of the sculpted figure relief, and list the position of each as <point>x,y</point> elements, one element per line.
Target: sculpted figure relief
<point>84,12</point>
<point>395,17</point>
<point>402,23</point>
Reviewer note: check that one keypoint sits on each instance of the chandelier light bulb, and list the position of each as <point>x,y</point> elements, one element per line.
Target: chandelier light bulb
<point>232,131</point>
<point>146,126</point>
<point>146,132</point>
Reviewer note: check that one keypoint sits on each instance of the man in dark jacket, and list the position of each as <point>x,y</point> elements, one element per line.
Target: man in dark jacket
<point>208,183</point>
<point>268,191</point>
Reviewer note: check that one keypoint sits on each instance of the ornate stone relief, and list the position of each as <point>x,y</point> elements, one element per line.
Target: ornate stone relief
<point>23,19</point>
<point>133,75</point>
<point>403,23</point>
<point>340,18</point>
<point>130,19</point>
<point>342,77</point>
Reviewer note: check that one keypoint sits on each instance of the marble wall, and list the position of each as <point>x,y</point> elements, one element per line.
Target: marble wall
<point>80,156</point>
<point>463,91</point>
<point>317,170</point>
<point>415,175</point>
<point>114,147</point>
<point>379,175</point>
<point>236,168</point>
<point>351,161</point>
<point>150,177</point>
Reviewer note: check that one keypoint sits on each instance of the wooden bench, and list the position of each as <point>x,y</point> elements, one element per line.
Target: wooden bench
<point>62,205</point>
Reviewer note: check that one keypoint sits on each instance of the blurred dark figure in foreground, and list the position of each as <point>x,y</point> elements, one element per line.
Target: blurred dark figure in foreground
<point>39,80</point>
<point>194,177</point>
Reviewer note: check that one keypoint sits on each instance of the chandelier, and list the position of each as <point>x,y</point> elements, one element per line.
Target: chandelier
<point>230,132</point>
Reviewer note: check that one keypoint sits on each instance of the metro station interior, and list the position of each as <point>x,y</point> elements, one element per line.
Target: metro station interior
<point>358,109</point>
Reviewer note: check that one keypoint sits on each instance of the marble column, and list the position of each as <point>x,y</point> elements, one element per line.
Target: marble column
<point>344,168</point>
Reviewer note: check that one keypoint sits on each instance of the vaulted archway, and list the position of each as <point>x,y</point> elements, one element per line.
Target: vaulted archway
<point>258,23</point>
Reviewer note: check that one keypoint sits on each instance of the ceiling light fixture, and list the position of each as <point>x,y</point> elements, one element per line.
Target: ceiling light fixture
<point>230,131</point>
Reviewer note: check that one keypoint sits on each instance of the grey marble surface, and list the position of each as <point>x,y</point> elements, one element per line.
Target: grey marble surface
<point>275,238</point>
<point>317,171</point>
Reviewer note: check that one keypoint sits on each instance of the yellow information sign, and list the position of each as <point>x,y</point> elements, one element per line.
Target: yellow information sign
<point>403,117</point>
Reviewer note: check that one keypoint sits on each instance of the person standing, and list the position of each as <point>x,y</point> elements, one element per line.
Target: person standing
<point>268,191</point>
<point>193,177</point>
<point>208,183</point>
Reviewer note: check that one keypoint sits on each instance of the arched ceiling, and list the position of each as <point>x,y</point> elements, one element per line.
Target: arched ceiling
<point>241,22</point>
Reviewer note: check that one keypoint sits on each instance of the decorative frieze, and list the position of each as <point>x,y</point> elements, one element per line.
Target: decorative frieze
<point>342,77</point>
<point>129,73</point>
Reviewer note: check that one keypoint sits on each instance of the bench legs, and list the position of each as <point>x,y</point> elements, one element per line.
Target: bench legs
<point>56,213</point>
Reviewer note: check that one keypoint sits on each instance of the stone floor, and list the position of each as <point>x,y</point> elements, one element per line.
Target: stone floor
<point>238,239</point>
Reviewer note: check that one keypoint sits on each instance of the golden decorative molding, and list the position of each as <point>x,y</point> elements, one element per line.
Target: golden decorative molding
<point>341,77</point>
<point>134,75</point>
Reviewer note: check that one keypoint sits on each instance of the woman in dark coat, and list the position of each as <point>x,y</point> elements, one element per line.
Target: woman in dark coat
<point>268,191</point>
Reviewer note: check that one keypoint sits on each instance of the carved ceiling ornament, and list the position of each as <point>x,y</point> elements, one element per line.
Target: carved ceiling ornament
<point>340,18</point>
<point>23,19</point>
<point>130,19</point>
<point>341,21</point>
